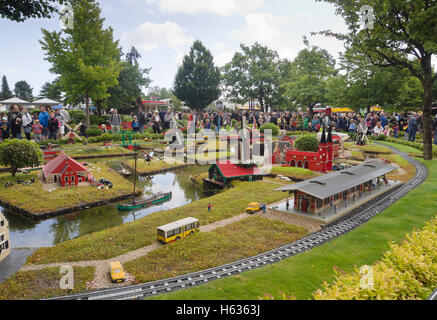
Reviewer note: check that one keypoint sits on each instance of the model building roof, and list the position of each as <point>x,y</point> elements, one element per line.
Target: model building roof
<point>231,170</point>
<point>336,182</point>
<point>59,164</point>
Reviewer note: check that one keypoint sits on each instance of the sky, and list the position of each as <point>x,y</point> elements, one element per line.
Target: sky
<point>164,30</point>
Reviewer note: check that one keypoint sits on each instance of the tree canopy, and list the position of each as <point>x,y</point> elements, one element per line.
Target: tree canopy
<point>5,92</point>
<point>197,82</point>
<point>86,57</point>
<point>51,90</point>
<point>400,34</point>
<point>22,10</point>
<point>306,83</point>
<point>23,91</point>
<point>254,74</point>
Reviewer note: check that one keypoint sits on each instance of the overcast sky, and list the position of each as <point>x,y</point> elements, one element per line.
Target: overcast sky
<point>164,30</point>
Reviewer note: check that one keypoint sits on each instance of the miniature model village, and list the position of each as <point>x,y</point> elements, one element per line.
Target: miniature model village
<point>303,191</point>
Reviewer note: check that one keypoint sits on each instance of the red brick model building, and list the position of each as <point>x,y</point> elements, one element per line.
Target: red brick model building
<point>67,171</point>
<point>320,161</point>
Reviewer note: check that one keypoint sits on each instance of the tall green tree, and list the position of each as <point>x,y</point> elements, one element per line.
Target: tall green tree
<point>23,91</point>
<point>131,81</point>
<point>86,57</point>
<point>395,33</point>
<point>254,74</point>
<point>306,83</point>
<point>5,93</point>
<point>21,10</point>
<point>197,82</point>
<point>51,90</point>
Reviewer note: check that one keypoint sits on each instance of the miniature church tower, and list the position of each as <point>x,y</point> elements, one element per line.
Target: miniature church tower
<point>323,151</point>
<point>330,151</point>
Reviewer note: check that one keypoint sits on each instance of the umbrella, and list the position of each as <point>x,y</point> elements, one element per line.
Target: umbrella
<point>14,101</point>
<point>46,102</point>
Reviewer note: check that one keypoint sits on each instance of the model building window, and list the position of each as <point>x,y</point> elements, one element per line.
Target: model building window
<point>2,223</point>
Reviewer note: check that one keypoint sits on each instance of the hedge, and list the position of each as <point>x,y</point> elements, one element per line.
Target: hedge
<point>416,145</point>
<point>408,271</point>
<point>270,126</point>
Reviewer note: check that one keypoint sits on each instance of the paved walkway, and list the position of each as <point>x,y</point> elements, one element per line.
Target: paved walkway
<point>13,262</point>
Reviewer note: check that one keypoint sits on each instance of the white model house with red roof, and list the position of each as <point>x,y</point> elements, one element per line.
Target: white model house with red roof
<point>66,171</point>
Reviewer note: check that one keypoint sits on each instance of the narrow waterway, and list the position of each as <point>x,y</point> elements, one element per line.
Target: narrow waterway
<point>25,233</point>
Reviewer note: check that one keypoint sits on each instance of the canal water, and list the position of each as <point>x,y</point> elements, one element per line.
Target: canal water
<point>26,233</point>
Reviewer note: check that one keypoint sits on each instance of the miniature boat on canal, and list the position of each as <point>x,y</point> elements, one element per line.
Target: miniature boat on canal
<point>152,200</point>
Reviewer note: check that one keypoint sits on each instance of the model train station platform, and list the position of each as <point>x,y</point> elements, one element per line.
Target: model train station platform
<point>329,197</point>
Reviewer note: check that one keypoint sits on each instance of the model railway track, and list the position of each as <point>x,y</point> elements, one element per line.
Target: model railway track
<point>353,220</point>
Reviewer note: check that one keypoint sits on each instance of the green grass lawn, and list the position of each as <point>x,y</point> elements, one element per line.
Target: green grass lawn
<point>95,149</point>
<point>298,173</point>
<point>43,284</point>
<point>243,239</point>
<point>403,148</point>
<point>116,241</point>
<point>371,148</point>
<point>301,275</point>
<point>144,167</point>
<point>33,198</point>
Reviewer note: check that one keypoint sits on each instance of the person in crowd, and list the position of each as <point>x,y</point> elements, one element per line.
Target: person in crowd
<point>156,123</point>
<point>378,130</point>
<point>167,120</point>
<point>315,124</point>
<point>44,121</point>
<point>352,126</point>
<point>60,117</point>
<point>37,129</point>
<point>142,119</point>
<point>104,129</point>
<point>115,121</point>
<point>82,130</point>
<point>15,121</point>
<point>412,127</point>
<point>5,128</point>
<point>136,124</point>
<point>53,126</point>
<point>387,131</point>
<point>27,122</point>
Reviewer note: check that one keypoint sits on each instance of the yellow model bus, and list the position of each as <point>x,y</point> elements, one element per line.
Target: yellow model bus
<point>178,230</point>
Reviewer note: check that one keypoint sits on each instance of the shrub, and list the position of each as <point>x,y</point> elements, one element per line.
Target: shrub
<point>93,132</point>
<point>307,143</point>
<point>407,271</point>
<point>16,154</point>
<point>76,116</point>
<point>381,137</point>
<point>270,126</point>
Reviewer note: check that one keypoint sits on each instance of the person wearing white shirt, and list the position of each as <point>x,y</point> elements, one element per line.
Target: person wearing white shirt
<point>378,130</point>
<point>27,123</point>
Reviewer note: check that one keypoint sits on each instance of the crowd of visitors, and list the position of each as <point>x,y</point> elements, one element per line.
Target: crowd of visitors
<point>51,124</point>
<point>44,125</point>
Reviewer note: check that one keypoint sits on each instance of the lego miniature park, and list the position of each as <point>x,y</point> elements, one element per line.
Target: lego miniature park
<point>267,177</point>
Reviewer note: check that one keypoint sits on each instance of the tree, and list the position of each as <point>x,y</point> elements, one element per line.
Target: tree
<point>198,79</point>
<point>23,91</point>
<point>86,57</point>
<point>308,143</point>
<point>306,83</point>
<point>254,74</point>
<point>5,93</point>
<point>131,81</point>
<point>22,10</point>
<point>398,34</point>
<point>51,90</point>
<point>16,154</point>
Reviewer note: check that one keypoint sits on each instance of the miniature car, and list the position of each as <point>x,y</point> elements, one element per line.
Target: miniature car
<point>253,207</point>
<point>117,272</point>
